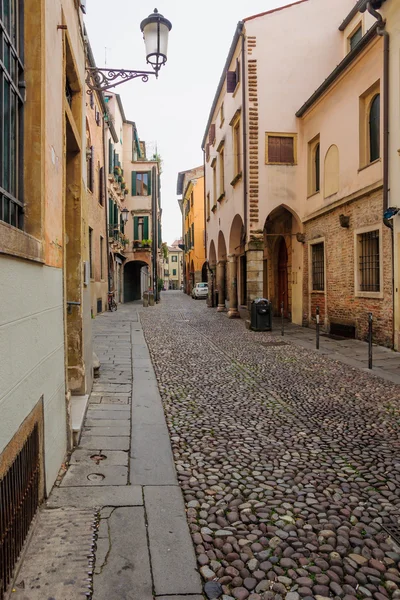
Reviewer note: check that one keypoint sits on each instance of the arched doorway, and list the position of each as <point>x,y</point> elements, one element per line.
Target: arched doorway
<point>136,280</point>
<point>283,276</point>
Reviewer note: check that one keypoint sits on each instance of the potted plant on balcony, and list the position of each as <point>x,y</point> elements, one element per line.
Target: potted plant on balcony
<point>123,184</point>
<point>117,171</point>
<point>146,243</point>
<point>126,191</point>
<point>137,243</point>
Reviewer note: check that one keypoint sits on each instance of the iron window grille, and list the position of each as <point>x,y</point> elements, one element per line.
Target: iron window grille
<point>369,268</point>
<point>318,268</point>
<point>12,87</point>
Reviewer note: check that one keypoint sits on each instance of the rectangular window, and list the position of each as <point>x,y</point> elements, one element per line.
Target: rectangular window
<point>101,186</point>
<point>314,166</point>
<point>236,147</point>
<point>280,149</point>
<point>11,113</point>
<point>101,257</point>
<point>173,271</point>
<point>192,235</point>
<point>355,38</point>
<point>214,184</point>
<point>221,115</point>
<point>141,183</point>
<point>368,261</point>
<point>91,252</point>
<point>174,258</point>
<point>318,268</point>
<point>208,205</point>
<point>221,173</point>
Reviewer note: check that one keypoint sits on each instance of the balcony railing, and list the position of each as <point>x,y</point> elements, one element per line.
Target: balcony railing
<point>115,235</point>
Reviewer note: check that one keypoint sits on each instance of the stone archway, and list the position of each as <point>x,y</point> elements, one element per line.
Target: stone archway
<point>236,271</point>
<point>135,274</point>
<point>212,262</point>
<point>283,263</point>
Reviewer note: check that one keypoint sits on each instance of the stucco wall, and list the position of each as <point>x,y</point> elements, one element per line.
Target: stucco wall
<point>32,354</point>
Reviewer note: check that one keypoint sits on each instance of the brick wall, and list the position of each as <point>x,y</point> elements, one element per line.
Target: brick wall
<point>252,134</point>
<point>342,306</point>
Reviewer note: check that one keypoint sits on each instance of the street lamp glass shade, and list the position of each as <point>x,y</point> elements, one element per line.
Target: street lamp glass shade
<point>156,30</point>
<point>124,214</point>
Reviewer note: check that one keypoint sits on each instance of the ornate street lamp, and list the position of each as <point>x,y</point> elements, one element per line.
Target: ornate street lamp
<point>155,30</point>
<point>124,215</point>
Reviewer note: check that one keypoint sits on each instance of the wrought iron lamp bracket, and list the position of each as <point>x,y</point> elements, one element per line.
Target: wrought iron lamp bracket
<point>104,79</point>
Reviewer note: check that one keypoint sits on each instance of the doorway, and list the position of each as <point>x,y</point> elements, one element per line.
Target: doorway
<point>283,277</point>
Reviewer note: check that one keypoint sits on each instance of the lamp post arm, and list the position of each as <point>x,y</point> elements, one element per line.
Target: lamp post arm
<point>104,79</point>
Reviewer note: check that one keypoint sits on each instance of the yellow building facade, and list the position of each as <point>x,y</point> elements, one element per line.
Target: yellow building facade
<point>191,187</point>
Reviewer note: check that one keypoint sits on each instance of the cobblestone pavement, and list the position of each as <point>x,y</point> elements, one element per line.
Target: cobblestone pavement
<point>288,461</point>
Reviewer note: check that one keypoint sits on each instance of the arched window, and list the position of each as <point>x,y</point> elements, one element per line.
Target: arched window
<point>317,167</point>
<point>374,128</point>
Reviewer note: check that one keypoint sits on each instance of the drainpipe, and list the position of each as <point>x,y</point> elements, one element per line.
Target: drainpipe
<point>244,121</point>
<point>106,203</point>
<point>205,206</point>
<point>383,33</point>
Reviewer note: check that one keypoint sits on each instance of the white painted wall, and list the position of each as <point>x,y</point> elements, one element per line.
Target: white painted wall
<point>32,355</point>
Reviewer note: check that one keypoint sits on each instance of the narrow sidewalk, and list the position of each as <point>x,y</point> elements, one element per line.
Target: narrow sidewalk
<point>122,479</point>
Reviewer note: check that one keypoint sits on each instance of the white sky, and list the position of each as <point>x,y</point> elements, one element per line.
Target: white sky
<point>172,111</point>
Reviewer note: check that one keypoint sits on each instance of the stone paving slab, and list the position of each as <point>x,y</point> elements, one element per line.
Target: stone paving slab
<point>125,573</point>
<point>107,421</point>
<point>113,412</point>
<point>56,563</point>
<point>112,457</point>
<point>171,551</point>
<point>98,442</point>
<point>107,431</point>
<point>95,475</point>
<point>187,597</point>
<point>96,496</point>
<point>151,456</point>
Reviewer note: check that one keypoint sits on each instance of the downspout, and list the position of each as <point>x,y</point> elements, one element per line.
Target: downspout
<point>244,127</point>
<point>383,33</point>
<point>106,204</point>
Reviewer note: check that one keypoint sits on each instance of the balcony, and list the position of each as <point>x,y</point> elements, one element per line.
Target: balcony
<point>117,240</point>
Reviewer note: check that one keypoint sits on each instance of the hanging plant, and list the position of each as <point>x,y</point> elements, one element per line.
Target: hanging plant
<point>123,185</point>
<point>126,192</point>
<point>117,170</point>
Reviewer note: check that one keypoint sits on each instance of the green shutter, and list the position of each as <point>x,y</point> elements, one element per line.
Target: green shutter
<point>110,211</point>
<point>115,215</point>
<point>110,156</point>
<point>149,186</point>
<point>133,186</point>
<point>135,228</point>
<point>121,224</point>
<point>159,234</point>
<point>145,228</point>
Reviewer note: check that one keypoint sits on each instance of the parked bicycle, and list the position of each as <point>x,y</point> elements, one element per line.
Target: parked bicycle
<point>112,305</point>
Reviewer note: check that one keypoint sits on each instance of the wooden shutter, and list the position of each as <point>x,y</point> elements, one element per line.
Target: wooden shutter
<point>135,228</point>
<point>237,72</point>
<point>115,221</point>
<point>287,150</point>
<point>230,82</point>
<point>207,151</point>
<point>149,183</point>
<point>101,184</point>
<point>110,212</point>
<point>110,156</point>
<point>133,183</point>
<point>121,224</point>
<point>91,168</point>
<point>91,100</point>
<point>211,134</point>
<point>145,228</point>
<point>274,149</point>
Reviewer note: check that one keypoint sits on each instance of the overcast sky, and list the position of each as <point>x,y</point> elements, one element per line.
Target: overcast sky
<point>170,112</point>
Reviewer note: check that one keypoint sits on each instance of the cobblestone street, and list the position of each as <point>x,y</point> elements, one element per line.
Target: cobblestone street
<point>288,461</point>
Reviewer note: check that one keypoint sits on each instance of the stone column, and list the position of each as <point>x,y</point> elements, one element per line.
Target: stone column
<point>211,286</point>
<point>255,269</point>
<point>221,285</point>
<point>233,312</point>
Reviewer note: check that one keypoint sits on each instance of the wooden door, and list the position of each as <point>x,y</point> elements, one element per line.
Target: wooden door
<point>283,278</point>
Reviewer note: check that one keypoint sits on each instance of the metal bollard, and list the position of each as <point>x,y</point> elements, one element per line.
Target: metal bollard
<point>317,328</point>
<point>283,329</point>
<point>369,340</point>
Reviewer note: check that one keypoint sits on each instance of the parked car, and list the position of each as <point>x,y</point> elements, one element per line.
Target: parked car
<point>200,290</point>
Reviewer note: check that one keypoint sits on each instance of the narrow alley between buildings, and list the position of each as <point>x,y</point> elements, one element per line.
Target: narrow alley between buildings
<point>287,460</point>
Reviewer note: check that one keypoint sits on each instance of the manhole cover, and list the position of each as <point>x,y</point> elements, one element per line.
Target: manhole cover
<point>274,343</point>
<point>97,458</point>
<point>96,477</point>
<point>393,529</point>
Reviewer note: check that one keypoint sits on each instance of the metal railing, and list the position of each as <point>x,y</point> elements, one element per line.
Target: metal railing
<point>19,500</point>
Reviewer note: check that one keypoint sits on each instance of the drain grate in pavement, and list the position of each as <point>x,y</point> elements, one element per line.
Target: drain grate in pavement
<point>274,343</point>
<point>392,527</point>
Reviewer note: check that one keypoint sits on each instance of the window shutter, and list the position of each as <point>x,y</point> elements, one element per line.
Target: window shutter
<point>237,72</point>
<point>133,183</point>
<point>101,184</point>
<point>159,234</point>
<point>149,183</point>
<point>110,156</point>
<point>92,168</point>
<point>110,212</point>
<point>274,149</point>
<point>287,150</point>
<point>145,228</point>
<point>207,151</point>
<point>114,160</point>
<point>91,100</point>
<point>115,215</point>
<point>211,135</point>
<point>121,224</point>
<point>230,81</point>
<point>135,228</point>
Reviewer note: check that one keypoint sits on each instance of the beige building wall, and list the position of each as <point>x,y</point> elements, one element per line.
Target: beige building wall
<point>193,226</point>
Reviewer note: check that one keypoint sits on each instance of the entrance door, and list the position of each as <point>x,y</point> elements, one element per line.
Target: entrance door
<point>283,277</point>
